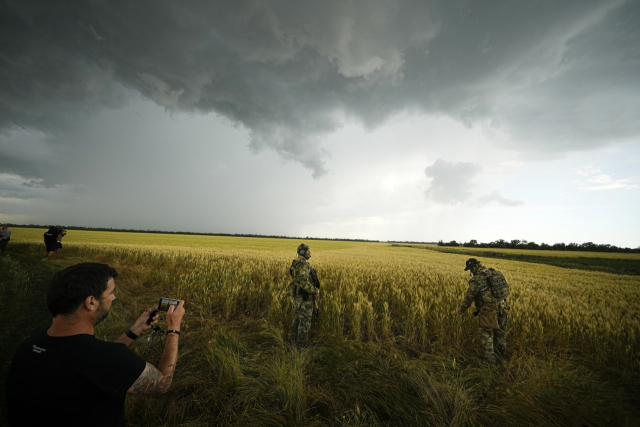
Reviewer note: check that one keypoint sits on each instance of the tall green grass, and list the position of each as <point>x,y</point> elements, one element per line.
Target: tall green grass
<point>370,362</point>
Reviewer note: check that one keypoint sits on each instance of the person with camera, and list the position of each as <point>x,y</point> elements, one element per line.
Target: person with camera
<point>64,375</point>
<point>5,236</point>
<point>50,242</point>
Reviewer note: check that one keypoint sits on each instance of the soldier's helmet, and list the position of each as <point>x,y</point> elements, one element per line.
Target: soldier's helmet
<point>471,262</point>
<point>302,249</point>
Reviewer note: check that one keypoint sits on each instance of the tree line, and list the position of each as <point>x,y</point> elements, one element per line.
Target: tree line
<point>523,244</point>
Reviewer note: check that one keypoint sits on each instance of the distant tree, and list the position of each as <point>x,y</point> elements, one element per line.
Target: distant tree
<point>451,243</point>
<point>500,243</point>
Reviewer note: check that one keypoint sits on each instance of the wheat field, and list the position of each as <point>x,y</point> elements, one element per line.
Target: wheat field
<point>389,348</point>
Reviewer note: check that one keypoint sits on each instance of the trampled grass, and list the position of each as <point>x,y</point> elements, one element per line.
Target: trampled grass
<point>388,349</point>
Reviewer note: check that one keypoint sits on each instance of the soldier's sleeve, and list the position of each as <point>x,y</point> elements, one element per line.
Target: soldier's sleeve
<point>469,295</point>
<point>303,278</point>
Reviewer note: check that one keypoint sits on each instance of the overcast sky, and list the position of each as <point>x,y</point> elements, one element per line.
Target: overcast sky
<point>381,119</point>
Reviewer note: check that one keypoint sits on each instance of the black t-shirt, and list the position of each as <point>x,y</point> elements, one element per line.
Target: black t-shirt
<point>49,237</point>
<point>70,381</point>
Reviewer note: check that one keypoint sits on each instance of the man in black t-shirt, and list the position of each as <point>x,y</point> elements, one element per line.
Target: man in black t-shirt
<point>64,376</point>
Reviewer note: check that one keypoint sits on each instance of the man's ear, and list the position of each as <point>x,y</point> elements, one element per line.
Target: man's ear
<point>90,303</point>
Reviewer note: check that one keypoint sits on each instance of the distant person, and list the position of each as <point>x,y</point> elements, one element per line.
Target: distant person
<point>50,242</point>
<point>65,376</point>
<point>304,292</point>
<point>489,289</point>
<point>61,234</point>
<point>5,236</point>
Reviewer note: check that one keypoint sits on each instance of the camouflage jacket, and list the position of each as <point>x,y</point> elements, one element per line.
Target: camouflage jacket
<point>302,275</point>
<point>480,284</point>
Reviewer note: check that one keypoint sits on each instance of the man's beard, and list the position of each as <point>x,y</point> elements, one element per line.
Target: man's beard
<point>101,314</point>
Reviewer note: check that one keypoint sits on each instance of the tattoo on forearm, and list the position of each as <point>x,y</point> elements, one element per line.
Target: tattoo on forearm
<point>152,381</point>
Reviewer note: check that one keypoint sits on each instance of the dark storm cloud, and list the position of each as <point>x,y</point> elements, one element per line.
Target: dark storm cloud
<point>559,75</point>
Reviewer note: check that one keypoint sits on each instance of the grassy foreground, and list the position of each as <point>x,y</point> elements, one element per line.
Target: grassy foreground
<point>388,350</point>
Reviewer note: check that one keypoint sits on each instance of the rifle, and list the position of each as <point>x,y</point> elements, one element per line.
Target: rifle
<point>316,283</point>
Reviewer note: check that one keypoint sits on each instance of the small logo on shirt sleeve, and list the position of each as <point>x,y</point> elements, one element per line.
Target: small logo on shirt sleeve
<point>38,350</point>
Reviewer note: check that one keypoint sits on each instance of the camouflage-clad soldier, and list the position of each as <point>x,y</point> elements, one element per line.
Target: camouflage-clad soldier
<point>304,293</point>
<point>493,340</point>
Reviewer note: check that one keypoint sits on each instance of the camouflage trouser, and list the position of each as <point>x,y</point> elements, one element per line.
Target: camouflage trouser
<point>494,341</point>
<point>301,321</point>
<point>3,245</point>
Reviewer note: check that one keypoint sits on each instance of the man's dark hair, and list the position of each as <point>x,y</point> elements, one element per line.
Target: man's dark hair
<point>74,284</point>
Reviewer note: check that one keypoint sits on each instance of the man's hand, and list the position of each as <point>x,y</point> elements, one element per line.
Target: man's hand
<point>156,381</point>
<point>460,313</point>
<point>141,324</point>
<point>174,316</point>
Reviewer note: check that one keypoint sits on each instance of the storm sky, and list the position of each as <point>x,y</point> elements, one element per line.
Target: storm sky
<point>385,119</point>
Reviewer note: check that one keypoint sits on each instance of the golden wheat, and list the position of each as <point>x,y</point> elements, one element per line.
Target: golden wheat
<point>376,292</point>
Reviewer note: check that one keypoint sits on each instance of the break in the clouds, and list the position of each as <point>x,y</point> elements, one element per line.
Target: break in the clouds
<point>550,77</point>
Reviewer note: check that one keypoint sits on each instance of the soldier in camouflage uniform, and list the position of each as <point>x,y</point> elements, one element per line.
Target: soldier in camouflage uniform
<point>304,293</point>
<point>493,341</point>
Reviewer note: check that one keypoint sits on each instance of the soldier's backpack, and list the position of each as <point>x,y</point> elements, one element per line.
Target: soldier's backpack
<point>497,283</point>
